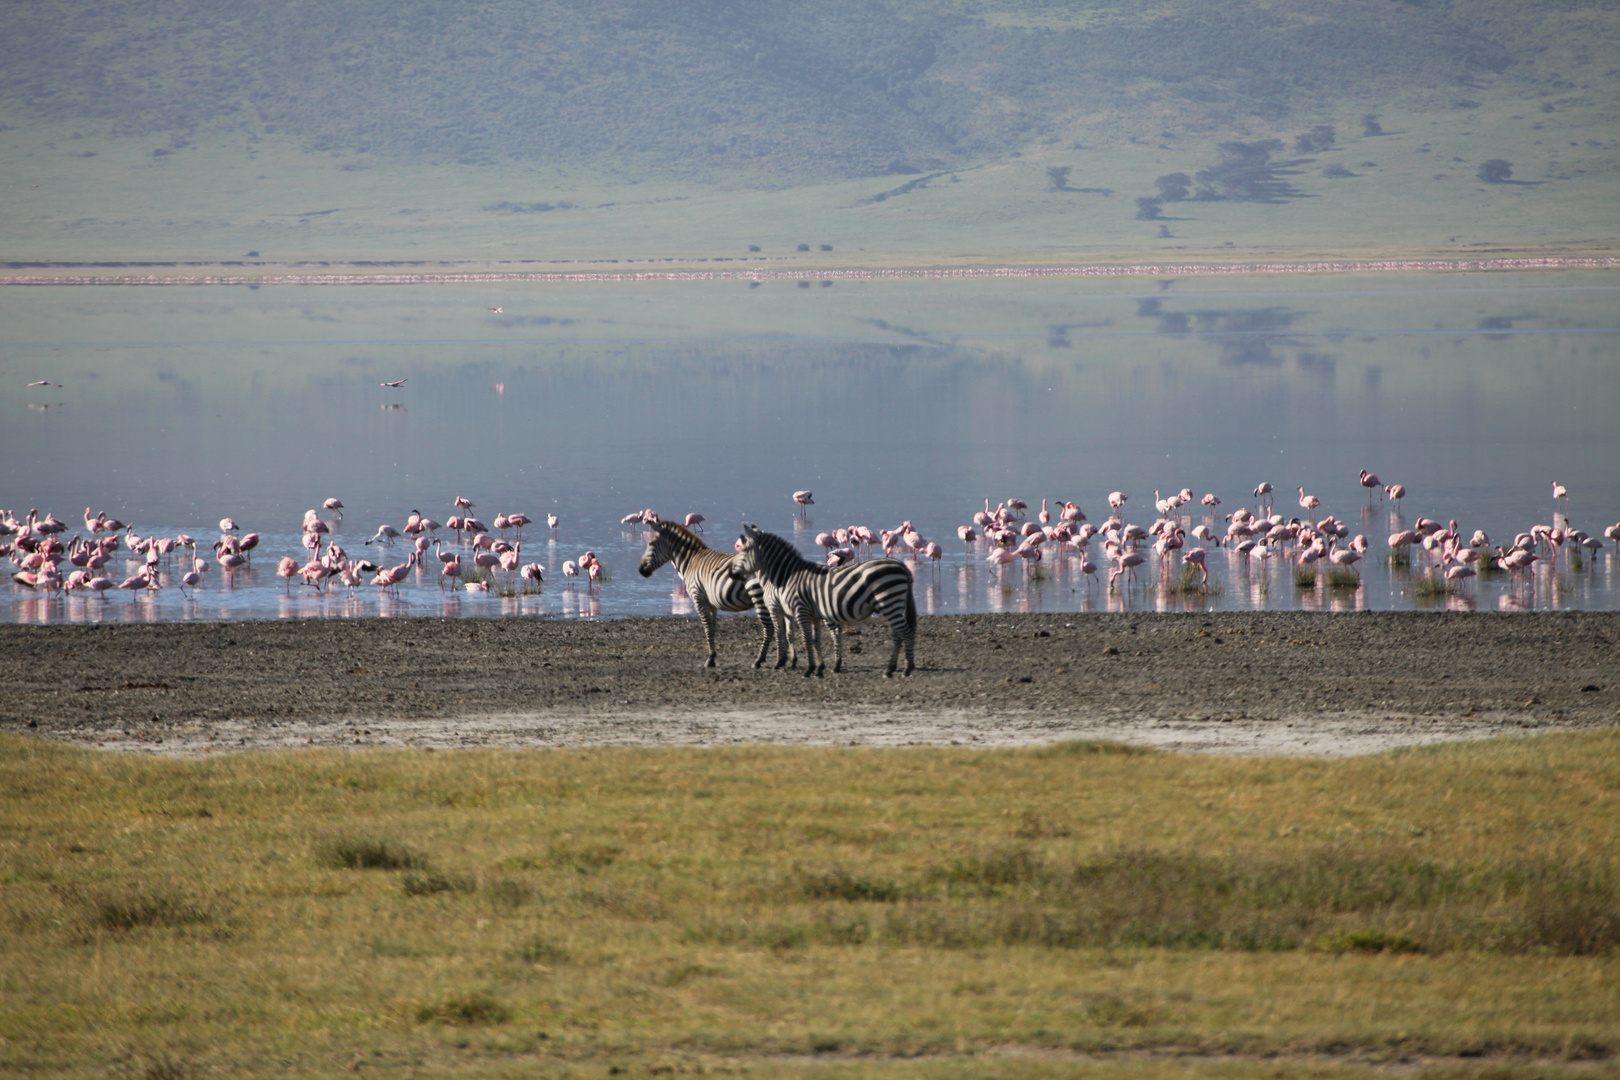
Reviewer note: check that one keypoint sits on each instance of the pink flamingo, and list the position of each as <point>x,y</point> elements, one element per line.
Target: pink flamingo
<point>1195,557</point>
<point>285,569</point>
<point>1370,482</point>
<point>1396,492</point>
<point>966,534</point>
<point>1116,502</point>
<point>695,521</point>
<point>804,500</point>
<point>1308,502</point>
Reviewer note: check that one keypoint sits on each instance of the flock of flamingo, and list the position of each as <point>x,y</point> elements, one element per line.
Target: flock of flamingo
<point>35,549</point>
<point>1006,534</point>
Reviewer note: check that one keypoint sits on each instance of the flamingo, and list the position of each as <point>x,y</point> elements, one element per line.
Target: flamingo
<point>285,569</point>
<point>386,534</point>
<point>396,384</point>
<point>1195,557</point>
<point>551,522</point>
<point>695,521</point>
<point>227,525</point>
<point>804,500</point>
<point>1396,492</point>
<point>1370,482</point>
<point>336,506</point>
<point>1308,502</point>
<point>532,572</point>
<point>452,569</point>
<point>1561,493</point>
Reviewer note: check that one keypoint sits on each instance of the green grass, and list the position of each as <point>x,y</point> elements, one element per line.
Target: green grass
<point>887,912</point>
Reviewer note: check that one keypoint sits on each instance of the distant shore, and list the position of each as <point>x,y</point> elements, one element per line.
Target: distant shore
<point>397,272</point>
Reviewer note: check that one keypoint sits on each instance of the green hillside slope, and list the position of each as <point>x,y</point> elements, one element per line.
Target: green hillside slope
<point>519,108</point>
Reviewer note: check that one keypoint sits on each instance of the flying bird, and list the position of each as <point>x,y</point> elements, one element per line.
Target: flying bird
<point>46,382</point>
<point>396,385</point>
<point>497,310</point>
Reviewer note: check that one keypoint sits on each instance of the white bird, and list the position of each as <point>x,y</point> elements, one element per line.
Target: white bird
<point>395,384</point>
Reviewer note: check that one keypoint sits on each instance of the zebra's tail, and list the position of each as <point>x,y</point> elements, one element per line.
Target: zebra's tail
<point>911,610</point>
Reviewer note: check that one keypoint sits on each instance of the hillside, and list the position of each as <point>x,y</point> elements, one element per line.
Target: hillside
<point>765,94</point>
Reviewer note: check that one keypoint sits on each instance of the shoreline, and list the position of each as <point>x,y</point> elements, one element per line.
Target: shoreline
<point>381,276</point>
<point>1262,682</point>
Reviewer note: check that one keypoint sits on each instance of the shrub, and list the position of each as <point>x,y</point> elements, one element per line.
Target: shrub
<point>803,247</point>
<point>1371,940</point>
<point>142,906</point>
<point>433,882</point>
<point>1148,209</point>
<point>1370,125</point>
<point>469,1009</point>
<point>1057,177</point>
<point>538,950</point>
<point>839,884</point>
<point>367,853</point>
<point>1496,171</point>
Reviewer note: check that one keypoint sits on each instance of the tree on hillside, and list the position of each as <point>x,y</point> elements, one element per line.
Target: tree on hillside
<point>1148,209</point>
<point>1319,137</point>
<point>1057,177</point>
<point>1496,171</point>
<point>1370,125</point>
<point>1245,171</point>
<point>1173,186</point>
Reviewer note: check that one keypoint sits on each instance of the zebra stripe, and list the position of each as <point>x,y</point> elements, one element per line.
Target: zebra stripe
<point>709,582</point>
<point>841,596</point>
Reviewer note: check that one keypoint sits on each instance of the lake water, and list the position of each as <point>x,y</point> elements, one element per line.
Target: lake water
<point>890,400</point>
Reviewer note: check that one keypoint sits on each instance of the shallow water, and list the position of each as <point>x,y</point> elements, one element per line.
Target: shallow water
<point>891,400</point>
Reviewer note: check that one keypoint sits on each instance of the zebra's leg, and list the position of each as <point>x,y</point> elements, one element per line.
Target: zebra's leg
<point>706,614</point>
<point>767,625</point>
<point>807,626</point>
<point>837,632</point>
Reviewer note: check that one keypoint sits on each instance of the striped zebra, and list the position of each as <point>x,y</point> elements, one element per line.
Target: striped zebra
<point>811,593</point>
<point>707,576</point>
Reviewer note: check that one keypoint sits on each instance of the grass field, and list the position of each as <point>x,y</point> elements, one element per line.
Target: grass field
<point>764,911</point>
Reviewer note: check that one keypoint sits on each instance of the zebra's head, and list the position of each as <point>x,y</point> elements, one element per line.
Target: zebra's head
<point>665,542</point>
<point>746,563</point>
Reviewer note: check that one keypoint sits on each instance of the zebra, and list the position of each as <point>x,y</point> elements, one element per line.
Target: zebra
<point>707,575</point>
<point>810,593</point>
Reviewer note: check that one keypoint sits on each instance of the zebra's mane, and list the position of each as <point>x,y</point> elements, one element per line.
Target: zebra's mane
<point>679,535</point>
<point>775,549</point>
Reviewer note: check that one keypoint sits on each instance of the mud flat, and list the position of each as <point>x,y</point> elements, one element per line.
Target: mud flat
<point>1278,682</point>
